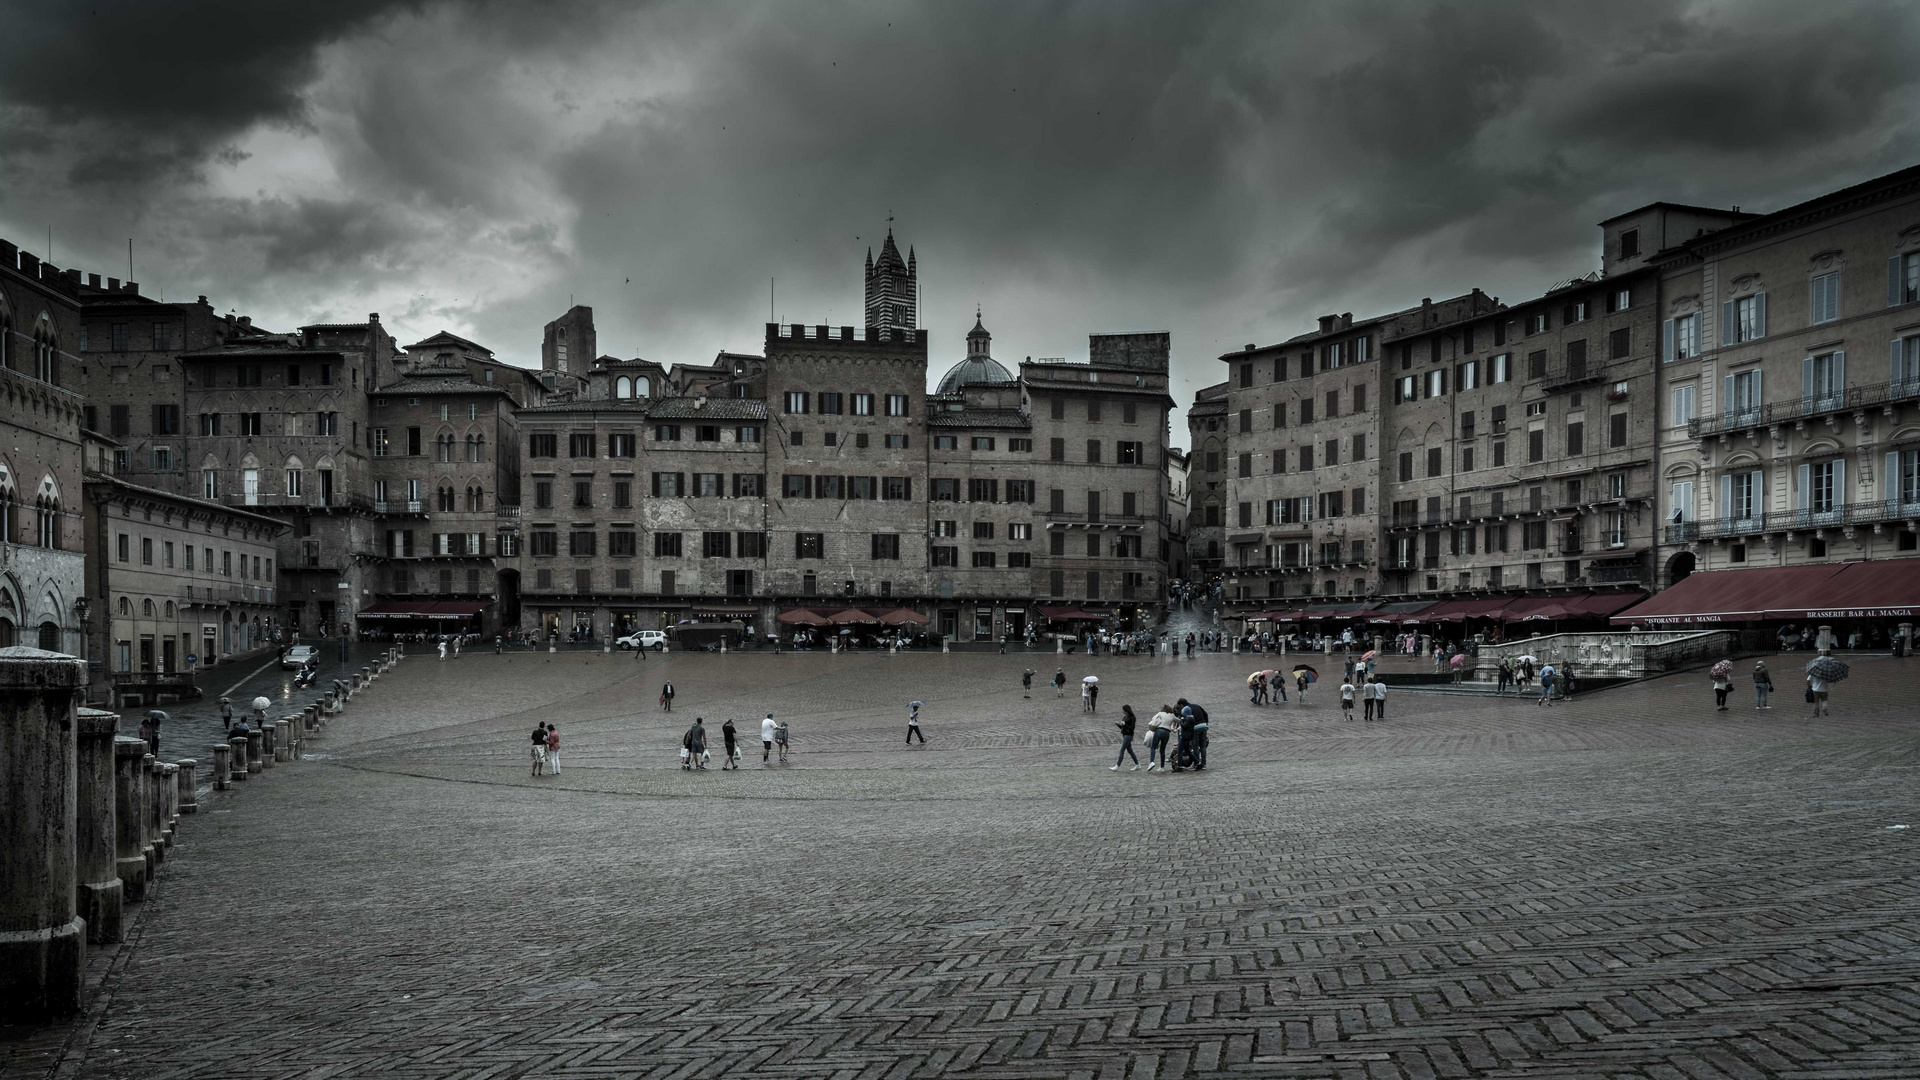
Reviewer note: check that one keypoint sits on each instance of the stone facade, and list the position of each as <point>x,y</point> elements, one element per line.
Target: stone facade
<point>1519,444</point>
<point>42,585</point>
<point>176,585</point>
<point>1305,432</point>
<point>1789,405</point>
<point>1210,446</point>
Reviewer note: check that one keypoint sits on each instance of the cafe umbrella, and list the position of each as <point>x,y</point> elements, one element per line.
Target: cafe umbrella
<point>1827,669</point>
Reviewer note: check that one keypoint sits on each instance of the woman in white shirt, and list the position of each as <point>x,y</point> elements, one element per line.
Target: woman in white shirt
<point>1160,730</point>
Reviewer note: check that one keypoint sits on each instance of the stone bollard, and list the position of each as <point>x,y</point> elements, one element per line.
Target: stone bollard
<point>1059,646</point>
<point>255,744</point>
<point>282,741</point>
<point>723,644</point>
<point>241,767</point>
<point>130,816</point>
<point>98,895</point>
<point>1826,639</point>
<point>266,743</point>
<point>43,948</point>
<point>553,645</point>
<point>943,644</point>
<point>150,809</point>
<point>170,800</point>
<point>222,767</point>
<point>1236,645</point>
<point>189,785</point>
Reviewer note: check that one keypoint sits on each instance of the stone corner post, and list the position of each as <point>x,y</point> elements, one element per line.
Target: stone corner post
<point>130,816</point>
<point>256,749</point>
<point>156,820</point>
<point>43,947</point>
<point>222,766</point>
<point>99,896</point>
<point>241,767</point>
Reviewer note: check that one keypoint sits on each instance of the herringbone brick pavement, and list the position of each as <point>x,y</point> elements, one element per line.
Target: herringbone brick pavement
<point>1631,885</point>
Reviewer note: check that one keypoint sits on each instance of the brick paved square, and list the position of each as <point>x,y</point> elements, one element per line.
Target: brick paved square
<point>1628,885</point>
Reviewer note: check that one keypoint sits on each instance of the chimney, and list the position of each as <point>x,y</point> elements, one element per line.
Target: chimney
<point>203,301</point>
<point>1326,324</point>
<point>1346,320</point>
<point>93,281</point>
<point>132,286</point>
<point>246,320</point>
<point>1249,346</point>
<point>113,284</point>
<point>373,318</point>
<point>1426,311</point>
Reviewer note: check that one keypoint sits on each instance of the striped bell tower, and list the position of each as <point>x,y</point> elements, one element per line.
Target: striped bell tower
<point>892,287</point>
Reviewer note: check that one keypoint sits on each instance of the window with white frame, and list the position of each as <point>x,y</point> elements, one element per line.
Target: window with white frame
<point>1683,405</point>
<point>1680,502</point>
<point>1823,381</point>
<point>1823,298</point>
<point>1502,368</point>
<point>1740,495</point>
<point>796,402</point>
<point>1682,334</point>
<point>863,404</point>
<point>896,404</point>
<point>1823,489</point>
<point>1903,279</point>
<point>295,480</point>
<point>1469,377</point>
<point>1903,481</point>
<point>1743,398</point>
<point>1743,319</point>
<point>1905,373</point>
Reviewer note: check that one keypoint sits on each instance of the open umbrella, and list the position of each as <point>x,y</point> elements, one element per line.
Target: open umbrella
<point>916,704</point>
<point>262,704</point>
<point>1091,679</point>
<point>1527,659</point>
<point>224,700</point>
<point>1302,671</point>
<point>1826,669</point>
<point>1368,655</point>
<point>158,714</point>
<point>1721,670</point>
<point>1267,672</point>
<point>1458,659</point>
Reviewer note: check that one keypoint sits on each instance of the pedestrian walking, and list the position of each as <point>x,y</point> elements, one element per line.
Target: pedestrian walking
<point>1026,683</point>
<point>696,742</point>
<point>1159,731</point>
<point>1060,683</point>
<point>1379,699</point>
<point>1125,724</point>
<point>1546,685</point>
<point>913,724</point>
<point>1300,686</point>
<point>768,729</point>
<point>226,714</point>
<point>666,697</point>
<point>1503,675</point>
<point>1817,696</point>
<point>553,749</point>
<point>1366,699</point>
<point>443,648</point>
<point>1346,699</point>
<point>1086,696</point>
<point>1762,685</point>
<point>539,748</point>
<point>780,739</point>
<point>729,742</point>
<point>1093,697</point>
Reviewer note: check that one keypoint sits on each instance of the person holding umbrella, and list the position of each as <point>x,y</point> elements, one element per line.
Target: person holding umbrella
<point>1257,682</point>
<point>150,730</point>
<point>1302,677</point>
<point>1458,662</point>
<point>1822,672</point>
<point>1722,676</point>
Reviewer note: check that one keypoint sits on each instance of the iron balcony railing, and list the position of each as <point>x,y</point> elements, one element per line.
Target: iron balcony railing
<point>1792,520</point>
<point>1780,412</point>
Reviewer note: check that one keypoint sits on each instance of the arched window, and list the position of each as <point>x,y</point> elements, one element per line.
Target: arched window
<point>50,636</point>
<point>6,340</point>
<point>146,608</point>
<point>477,451</point>
<point>642,386</point>
<point>126,607</point>
<point>623,387</point>
<point>446,499</point>
<point>444,447</point>
<point>170,609</point>
<point>49,522</point>
<point>44,347</point>
<point>9,637</point>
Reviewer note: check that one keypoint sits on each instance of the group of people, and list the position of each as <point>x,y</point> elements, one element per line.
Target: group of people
<point>1818,690</point>
<point>1516,675</point>
<point>1183,718</point>
<point>546,750</point>
<point>694,754</point>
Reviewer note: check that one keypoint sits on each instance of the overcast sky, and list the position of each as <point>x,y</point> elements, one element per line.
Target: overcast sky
<point>1225,172</point>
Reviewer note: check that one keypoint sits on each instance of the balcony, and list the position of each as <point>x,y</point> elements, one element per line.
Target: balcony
<point>1566,376</point>
<point>1068,517</point>
<point>1883,395</point>
<point>411,506</point>
<point>506,510</point>
<point>1862,513</point>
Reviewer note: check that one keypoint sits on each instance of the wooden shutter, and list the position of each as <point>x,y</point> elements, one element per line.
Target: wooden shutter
<point>1666,341</point>
<point>1890,480</point>
<point>1726,398</point>
<point>1805,500</point>
<point>1894,290</point>
<point>1898,356</point>
<point>1806,379</point>
<point>1760,315</point>
<point>1726,323</point>
<point>1839,483</point>
<point>1725,508</point>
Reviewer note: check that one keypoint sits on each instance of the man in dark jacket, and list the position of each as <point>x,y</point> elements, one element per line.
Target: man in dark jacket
<point>1193,732</point>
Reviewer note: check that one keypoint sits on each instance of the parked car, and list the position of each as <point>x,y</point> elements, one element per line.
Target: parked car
<point>299,656</point>
<point>643,639</point>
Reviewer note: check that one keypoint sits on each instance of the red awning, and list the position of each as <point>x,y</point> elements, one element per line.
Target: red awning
<point>1529,609</point>
<point>904,617</point>
<point>1462,610</point>
<point>1592,605</point>
<point>800,617</point>
<point>1887,588</point>
<point>421,609</point>
<point>851,615</point>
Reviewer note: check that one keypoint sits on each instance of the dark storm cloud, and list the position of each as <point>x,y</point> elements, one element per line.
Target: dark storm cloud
<point>1224,171</point>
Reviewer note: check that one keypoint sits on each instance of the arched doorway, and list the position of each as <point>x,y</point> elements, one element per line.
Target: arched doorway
<point>1679,567</point>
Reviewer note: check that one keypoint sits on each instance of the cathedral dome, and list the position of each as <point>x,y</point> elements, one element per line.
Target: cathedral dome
<point>979,366</point>
<point>974,369</point>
